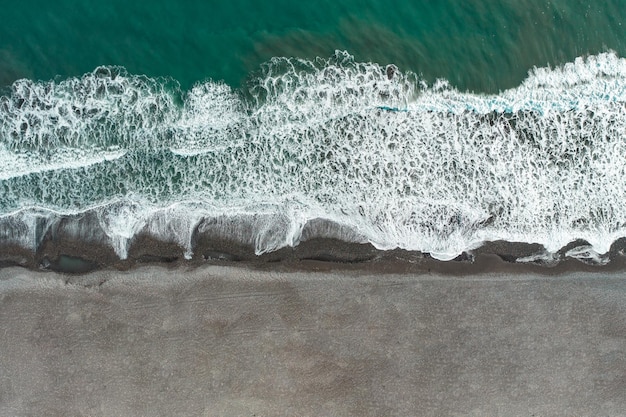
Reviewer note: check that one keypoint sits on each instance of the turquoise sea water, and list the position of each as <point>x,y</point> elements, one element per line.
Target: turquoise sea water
<point>431,126</point>
<point>484,45</point>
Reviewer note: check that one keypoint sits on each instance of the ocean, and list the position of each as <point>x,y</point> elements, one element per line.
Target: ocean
<point>425,126</point>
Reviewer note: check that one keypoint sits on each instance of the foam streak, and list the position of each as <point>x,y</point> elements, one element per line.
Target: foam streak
<point>398,163</point>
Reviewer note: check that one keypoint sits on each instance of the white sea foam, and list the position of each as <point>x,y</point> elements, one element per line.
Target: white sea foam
<point>20,164</point>
<point>398,163</point>
<point>214,118</point>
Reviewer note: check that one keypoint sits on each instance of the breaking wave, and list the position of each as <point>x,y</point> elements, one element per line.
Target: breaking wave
<point>392,160</point>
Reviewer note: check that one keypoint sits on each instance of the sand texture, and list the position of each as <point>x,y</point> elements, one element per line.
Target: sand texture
<point>234,341</point>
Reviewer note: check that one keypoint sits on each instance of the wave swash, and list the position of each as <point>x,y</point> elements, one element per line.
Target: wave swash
<point>393,161</point>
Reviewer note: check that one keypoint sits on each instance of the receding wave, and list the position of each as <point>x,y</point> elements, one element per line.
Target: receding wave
<point>378,152</point>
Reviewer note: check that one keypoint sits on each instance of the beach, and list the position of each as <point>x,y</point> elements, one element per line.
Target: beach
<point>325,208</point>
<point>312,338</point>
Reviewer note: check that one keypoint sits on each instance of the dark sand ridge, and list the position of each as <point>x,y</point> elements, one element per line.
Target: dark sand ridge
<point>318,254</point>
<point>74,244</point>
<point>236,341</point>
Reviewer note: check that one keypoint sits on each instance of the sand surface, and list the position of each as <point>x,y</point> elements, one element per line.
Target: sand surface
<point>232,341</point>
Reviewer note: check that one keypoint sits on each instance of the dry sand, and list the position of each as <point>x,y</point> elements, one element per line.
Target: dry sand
<point>235,341</point>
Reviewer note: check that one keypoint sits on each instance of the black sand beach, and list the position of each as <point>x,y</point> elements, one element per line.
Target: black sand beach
<point>197,198</point>
<point>314,338</point>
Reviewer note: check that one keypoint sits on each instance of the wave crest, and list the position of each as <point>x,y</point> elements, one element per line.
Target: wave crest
<point>397,162</point>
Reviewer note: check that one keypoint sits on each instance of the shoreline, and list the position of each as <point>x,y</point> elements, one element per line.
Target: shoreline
<point>65,254</point>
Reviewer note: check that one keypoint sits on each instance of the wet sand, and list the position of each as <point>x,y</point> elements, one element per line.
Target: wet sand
<point>313,340</point>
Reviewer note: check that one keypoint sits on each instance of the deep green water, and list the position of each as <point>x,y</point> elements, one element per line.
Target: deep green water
<point>477,45</point>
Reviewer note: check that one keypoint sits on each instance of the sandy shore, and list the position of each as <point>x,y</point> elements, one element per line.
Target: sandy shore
<point>235,341</point>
